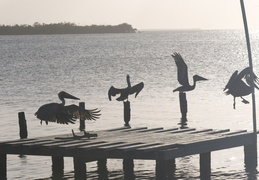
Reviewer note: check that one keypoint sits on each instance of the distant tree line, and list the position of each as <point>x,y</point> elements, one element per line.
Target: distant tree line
<point>64,28</point>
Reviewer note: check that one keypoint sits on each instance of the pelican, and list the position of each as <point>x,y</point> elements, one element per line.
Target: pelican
<point>55,112</point>
<point>239,88</point>
<point>182,72</point>
<point>124,93</point>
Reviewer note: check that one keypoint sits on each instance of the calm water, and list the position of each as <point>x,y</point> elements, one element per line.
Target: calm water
<point>35,68</point>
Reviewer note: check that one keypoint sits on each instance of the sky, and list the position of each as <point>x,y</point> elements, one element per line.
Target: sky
<point>141,14</point>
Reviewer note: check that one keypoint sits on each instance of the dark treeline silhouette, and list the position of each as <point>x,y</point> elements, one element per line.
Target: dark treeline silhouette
<point>64,28</point>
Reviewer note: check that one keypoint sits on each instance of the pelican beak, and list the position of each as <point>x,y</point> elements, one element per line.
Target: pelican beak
<point>199,78</point>
<point>202,78</point>
<point>67,96</point>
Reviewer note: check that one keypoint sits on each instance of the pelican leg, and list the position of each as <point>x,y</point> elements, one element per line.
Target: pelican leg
<point>234,104</point>
<point>244,101</point>
<point>74,135</point>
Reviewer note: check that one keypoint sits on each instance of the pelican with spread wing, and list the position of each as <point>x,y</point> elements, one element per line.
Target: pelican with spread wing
<point>237,87</point>
<point>182,73</point>
<point>124,93</point>
<point>59,113</point>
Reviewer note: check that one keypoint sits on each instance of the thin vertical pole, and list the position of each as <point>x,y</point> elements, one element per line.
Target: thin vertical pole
<point>250,64</point>
<point>254,146</point>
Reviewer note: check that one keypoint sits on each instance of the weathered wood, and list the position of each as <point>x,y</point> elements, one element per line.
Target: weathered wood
<point>82,122</point>
<point>162,145</point>
<point>3,166</point>
<point>22,125</point>
<point>79,168</point>
<point>57,166</point>
<point>205,166</point>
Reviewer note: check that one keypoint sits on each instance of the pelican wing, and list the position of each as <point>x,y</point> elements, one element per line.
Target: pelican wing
<point>182,69</point>
<point>231,81</point>
<point>54,112</point>
<point>81,113</point>
<point>114,91</point>
<point>136,89</point>
<point>250,77</point>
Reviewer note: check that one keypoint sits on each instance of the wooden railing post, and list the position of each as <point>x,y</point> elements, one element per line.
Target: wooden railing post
<point>82,122</point>
<point>22,125</point>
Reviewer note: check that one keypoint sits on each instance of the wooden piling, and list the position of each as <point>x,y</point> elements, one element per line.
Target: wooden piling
<point>3,166</point>
<point>250,152</point>
<point>22,125</point>
<point>183,106</point>
<point>205,166</point>
<point>82,122</point>
<point>128,169</point>
<point>57,166</point>
<point>102,169</point>
<point>79,168</point>
<point>126,113</point>
<point>165,169</point>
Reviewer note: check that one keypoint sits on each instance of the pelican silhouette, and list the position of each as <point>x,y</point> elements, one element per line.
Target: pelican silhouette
<point>124,93</point>
<point>55,112</point>
<point>182,73</point>
<point>239,88</point>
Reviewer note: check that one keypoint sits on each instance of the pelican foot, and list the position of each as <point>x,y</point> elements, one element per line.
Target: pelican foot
<point>245,101</point>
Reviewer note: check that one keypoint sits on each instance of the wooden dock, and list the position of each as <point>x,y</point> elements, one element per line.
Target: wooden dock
<point>162,145</point>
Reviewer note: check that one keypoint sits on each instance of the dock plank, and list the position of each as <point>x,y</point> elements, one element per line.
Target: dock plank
<point>141,142</point>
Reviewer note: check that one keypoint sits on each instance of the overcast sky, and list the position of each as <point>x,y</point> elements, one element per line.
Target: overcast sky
<point>141,14</point>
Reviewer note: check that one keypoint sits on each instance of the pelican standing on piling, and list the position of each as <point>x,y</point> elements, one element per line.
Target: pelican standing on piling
<point>59,113</point>
<point>125,92</point>
<point>182,74</point>
<point>239,88</point>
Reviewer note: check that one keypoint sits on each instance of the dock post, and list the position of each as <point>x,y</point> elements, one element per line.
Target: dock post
<point>165,169</point>
<point>183,108</point>
<point>126,113</point>
<point>79,168</point>
<point>205,166</point>
<point>82,122</point>
<point>57,166</point>
<point>102,169</point>
<point>3,166</point>
<point>22,125</point>
<point>250,152</point>
<point>128,169</point>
